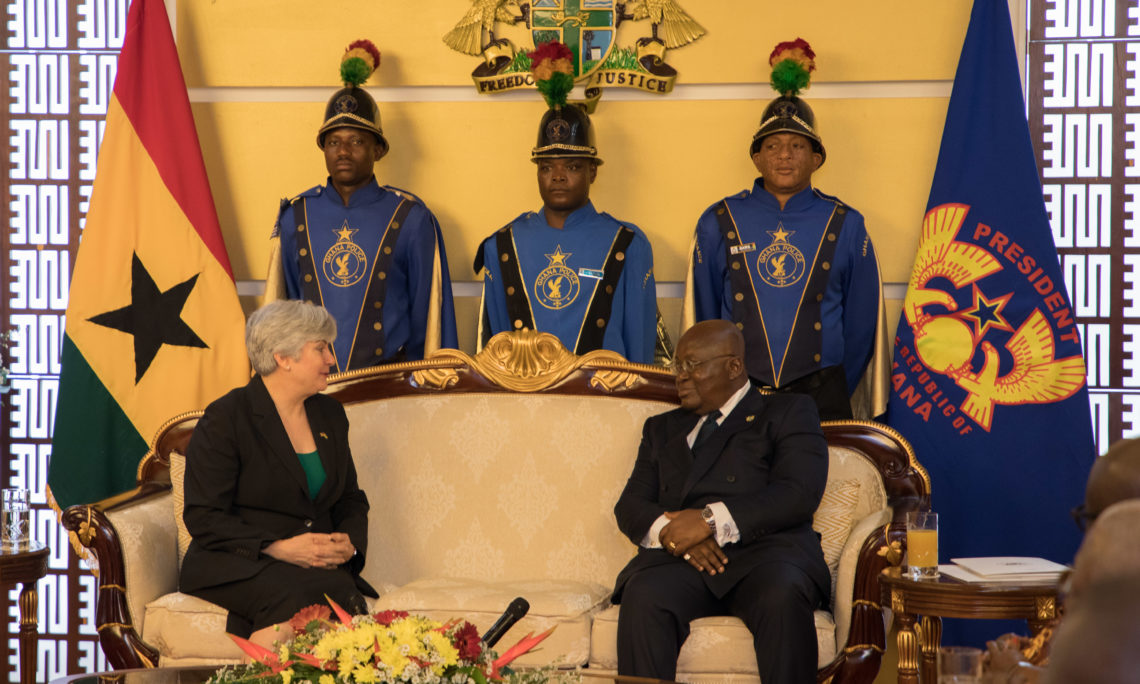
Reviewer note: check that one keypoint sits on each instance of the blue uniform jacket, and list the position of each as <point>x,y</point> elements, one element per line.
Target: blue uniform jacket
<point>345,243</point>
<point>781,247</point>
<point>561,269</point>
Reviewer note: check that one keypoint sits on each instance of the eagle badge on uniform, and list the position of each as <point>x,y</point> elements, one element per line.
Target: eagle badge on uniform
<point>557,285</point>
<point>345,262</point>
<point>781,263</point>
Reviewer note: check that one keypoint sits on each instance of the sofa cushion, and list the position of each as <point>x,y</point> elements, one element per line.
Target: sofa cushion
<point>565,604</point>
<point>184,628</point>
<point>177,479</point>
<point>833,520</point>
<point>719,645</point>
<point>496,487</point>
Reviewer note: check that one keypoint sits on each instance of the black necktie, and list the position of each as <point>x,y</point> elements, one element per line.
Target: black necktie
<point>707,428</point>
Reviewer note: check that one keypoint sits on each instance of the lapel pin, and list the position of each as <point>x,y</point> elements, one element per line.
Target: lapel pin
<point>324,436</point>
<point>749,418</point>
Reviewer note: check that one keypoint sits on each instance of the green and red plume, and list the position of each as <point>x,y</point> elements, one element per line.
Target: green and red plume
<point>359,61</point>
<point>792,63</point>
<point>553,69</point>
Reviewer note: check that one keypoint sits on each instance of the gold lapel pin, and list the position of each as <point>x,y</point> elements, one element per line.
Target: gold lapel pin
<point>749,418</point>
<point>324,436</point>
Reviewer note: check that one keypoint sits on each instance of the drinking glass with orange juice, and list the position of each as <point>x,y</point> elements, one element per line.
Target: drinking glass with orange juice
<point>922,544</point>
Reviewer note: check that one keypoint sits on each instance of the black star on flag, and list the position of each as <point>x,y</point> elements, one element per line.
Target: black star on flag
<point>153,317</point>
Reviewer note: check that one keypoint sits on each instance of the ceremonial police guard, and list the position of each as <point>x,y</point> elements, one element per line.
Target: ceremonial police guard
<point>372,255</point>
<point>793,267</point>
<point>567,269</point>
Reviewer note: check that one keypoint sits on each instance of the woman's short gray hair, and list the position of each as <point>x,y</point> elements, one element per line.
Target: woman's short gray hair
<point>284,327</point>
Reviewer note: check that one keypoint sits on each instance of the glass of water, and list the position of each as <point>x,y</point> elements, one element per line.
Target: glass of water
<point>15,520</point>
<point>959,665</point>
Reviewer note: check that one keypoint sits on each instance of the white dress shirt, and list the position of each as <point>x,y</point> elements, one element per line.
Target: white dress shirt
<point>726,530</point>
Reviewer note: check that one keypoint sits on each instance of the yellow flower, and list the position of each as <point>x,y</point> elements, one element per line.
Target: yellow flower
<point>364,674</point>
<point>448,654</point>
<point>327,679</point>
<point>286,675</point>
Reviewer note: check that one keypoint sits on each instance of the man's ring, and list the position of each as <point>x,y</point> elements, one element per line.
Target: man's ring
<point>673,545</point>
<point>687,556</point>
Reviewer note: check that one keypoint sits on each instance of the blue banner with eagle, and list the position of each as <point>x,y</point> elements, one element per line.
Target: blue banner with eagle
<point>988,379</point>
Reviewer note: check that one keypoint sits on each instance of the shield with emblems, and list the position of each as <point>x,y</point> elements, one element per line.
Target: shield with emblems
<point>584,26</point>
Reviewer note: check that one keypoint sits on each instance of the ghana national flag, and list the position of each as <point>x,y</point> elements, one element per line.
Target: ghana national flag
<point>154,327</point>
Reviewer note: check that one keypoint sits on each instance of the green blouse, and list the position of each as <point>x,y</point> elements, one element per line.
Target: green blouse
<point>314,472</point>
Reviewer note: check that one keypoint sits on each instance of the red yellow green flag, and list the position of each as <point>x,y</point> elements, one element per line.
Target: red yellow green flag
<point>154,327</point>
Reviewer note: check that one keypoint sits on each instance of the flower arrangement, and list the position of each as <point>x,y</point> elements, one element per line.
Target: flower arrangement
<point>391,647</point>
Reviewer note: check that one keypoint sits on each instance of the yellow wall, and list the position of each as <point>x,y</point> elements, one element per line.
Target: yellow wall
<point>259,72</point>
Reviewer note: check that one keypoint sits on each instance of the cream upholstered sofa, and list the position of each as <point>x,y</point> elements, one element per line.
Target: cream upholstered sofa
<point>492,477</point>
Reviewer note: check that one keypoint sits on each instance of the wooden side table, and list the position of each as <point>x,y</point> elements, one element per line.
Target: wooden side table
<point>26,567</point>
<point>947,597</point>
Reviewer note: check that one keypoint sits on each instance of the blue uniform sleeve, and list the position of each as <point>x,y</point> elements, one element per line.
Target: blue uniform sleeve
<point>708,269</point>
<point>639,333</point>
<point>494,299</point>
<point>418,253</point>
<point>862,295</point>
<point>286,228</point>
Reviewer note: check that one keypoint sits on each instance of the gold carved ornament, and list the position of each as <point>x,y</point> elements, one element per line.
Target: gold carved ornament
<point>892,553</point>
<point>86,531</point>
<point>530,361</point>
<point>436,378</point>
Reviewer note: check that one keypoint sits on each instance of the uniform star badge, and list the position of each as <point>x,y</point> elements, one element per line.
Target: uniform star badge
<point>345,233</point>
<point>559,257</point>
<point>780,235</point>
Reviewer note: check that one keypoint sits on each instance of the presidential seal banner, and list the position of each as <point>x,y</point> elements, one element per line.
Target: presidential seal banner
<point>988,379</point>
<point>154,327</point>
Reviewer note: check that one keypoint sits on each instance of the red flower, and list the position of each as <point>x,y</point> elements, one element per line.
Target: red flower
<point>387,617</point>
<point>307,614</point>
<point>466,640</point>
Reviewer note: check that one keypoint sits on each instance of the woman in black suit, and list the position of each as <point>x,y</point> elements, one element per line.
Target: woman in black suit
<point>272,503</point>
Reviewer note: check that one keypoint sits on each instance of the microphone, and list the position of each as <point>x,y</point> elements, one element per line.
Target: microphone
<point>514,612</point>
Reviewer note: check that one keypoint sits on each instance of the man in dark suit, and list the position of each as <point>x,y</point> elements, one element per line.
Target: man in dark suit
<point>720,503</point>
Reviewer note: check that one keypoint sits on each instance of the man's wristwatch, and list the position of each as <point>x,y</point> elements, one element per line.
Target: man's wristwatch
<point>710,518</point>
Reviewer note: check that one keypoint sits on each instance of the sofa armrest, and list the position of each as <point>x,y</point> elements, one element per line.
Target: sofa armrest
<point>845,594</point>
<point>862,653</point>
<point>131,544</point>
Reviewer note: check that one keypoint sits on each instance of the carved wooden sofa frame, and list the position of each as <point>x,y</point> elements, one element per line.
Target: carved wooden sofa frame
<point>511,363</point>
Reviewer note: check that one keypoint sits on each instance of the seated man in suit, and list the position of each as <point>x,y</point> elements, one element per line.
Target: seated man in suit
<point>1097,640</point>
<point>1114,477</point>
<point>720,503</point>
<point>1100,639</point>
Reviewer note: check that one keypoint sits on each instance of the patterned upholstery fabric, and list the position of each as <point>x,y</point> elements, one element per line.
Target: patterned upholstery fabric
<point>478,498</point>
<point>516,487</point>
<point>187,630</point>
<point>716,645</point>
<point>147,537</point>
<point>177,478</point>
<point>834,518</point>
<point>569,605</point>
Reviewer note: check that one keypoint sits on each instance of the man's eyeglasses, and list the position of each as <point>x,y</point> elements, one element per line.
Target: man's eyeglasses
<point>1082,517</point>
<point>688,365</point>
